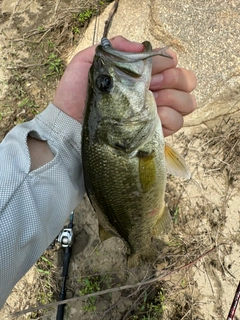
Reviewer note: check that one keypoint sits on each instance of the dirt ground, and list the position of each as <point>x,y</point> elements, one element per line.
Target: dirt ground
<point>198,268</point>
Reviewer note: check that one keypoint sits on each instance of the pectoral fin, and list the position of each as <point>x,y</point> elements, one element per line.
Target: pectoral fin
<point>175,163</point>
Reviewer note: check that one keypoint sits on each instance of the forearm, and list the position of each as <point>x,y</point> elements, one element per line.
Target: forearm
<point>40,184</point>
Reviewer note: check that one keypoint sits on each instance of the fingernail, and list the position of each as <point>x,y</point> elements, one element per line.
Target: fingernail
<point>155,94</point>
<point>157,79</point>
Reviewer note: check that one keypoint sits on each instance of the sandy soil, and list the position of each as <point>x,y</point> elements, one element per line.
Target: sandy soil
<point>199,267</point>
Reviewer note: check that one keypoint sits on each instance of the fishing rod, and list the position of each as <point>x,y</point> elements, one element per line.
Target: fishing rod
<point>65,238</point>
<point>234,303</point>
<point>107,22</point>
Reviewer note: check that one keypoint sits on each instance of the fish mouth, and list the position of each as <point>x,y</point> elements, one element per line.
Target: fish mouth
<point>131,63</point>
<point>133,56</point>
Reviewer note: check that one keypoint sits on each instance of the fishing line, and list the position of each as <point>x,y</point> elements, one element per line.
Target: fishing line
<point>96,24</point>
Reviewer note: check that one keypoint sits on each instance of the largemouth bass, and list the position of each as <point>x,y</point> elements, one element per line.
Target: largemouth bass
<point>123,150</point>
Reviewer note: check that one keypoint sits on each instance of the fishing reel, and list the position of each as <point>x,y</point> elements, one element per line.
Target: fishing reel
<point>65,237</point>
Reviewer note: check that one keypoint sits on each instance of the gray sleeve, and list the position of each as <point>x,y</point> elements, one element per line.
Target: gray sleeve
<point>35,205</point>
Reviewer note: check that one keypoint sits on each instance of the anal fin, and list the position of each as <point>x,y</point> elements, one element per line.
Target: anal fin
<point>163,224</point>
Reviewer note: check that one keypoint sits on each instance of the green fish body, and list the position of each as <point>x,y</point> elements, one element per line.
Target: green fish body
<point>123,150</point>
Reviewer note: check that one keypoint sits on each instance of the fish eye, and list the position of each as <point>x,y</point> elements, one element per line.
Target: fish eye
<point>104,83</point>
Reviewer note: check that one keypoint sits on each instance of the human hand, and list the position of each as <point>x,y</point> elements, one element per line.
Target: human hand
<point>171,86</point>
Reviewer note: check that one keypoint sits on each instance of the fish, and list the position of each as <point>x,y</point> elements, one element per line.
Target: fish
<point>124,155</point>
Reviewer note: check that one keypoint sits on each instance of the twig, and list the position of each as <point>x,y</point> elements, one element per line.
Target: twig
<point>140,284</point>
<point>27,66</point>
<point>56,7</point>
<point>121,300</point>
<point>186,314</point>
<point>135,303</point>
<point>58,22</point>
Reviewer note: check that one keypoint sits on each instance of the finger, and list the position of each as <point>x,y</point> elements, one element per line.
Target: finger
<point>182,102</point>
<point>85,55</point>
<point>176,78</point>
<point>162,63</point>
<point>122,44</point>
<point>171,120</point>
